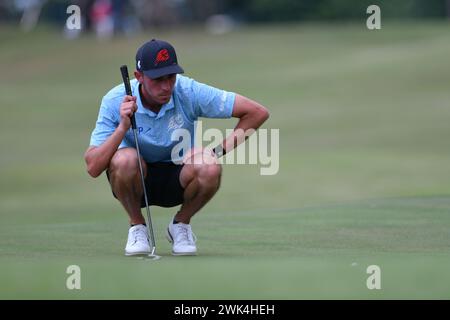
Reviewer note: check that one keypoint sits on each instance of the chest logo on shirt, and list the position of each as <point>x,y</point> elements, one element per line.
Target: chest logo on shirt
<point>175,122</point>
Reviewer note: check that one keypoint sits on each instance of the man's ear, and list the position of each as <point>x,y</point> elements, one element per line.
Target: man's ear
<point>139,76</point>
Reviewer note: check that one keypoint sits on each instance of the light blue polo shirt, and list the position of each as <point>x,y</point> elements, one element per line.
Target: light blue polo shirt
<point>190,100</point>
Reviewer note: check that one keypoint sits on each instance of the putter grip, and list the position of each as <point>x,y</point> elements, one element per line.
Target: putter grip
<point>126,83</point>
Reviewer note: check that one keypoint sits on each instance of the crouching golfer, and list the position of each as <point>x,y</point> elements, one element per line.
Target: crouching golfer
<point>163,101</point>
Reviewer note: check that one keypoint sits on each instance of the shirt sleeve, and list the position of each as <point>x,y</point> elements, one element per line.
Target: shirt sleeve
<point>211,102</point>
<point>105,126</point>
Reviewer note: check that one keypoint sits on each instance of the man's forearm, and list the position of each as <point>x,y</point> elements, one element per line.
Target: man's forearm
<point>98,158</point>
<point>246,126</point>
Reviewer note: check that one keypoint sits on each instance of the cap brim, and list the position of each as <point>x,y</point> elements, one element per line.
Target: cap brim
<point>161,72</point>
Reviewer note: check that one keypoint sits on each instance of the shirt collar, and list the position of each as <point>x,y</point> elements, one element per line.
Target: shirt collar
<point>141,109</point>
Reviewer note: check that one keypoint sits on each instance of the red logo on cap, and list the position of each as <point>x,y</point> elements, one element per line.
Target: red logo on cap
<point>163,55</point>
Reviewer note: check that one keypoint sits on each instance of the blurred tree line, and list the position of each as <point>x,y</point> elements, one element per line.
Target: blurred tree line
<point>148,13</point>
<point>295,10</point>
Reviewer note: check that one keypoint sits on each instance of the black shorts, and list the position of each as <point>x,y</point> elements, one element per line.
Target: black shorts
<point>163,185</point>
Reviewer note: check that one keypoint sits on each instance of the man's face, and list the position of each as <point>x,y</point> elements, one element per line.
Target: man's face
<point>157,90</point>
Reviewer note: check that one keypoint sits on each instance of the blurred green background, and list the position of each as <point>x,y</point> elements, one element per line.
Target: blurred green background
<point>363,180</point>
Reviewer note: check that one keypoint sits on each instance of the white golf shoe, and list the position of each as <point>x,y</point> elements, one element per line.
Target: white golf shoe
<point>182,239</point>
<point>137,243</point>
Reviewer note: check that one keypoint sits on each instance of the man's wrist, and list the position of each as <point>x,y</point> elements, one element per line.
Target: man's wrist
<point>122,128</point>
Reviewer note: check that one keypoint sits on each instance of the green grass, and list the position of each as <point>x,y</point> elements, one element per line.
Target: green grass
<point>364,175</point>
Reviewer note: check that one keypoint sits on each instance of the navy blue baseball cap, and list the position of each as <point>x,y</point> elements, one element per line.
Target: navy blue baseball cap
<point>157,58</point>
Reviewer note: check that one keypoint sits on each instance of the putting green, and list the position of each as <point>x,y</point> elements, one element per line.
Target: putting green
<point>363,180</point>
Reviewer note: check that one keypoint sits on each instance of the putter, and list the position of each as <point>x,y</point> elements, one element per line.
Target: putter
<point>126,82</point>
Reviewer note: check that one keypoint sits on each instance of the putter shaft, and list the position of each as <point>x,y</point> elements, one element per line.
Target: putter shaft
<point>149,218</point>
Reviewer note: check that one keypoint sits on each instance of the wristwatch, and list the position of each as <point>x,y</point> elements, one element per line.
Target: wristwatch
<point>219,151</point>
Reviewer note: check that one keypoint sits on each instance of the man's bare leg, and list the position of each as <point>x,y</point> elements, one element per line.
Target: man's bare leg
<point>126,182</point>
<point>200,181</point>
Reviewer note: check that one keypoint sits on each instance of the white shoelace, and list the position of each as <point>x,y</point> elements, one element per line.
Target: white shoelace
<point>139,234</point>
<point>185,234</point>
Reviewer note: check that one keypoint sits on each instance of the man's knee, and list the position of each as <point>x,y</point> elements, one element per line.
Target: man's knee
<point>209,175</point>
<point>124,163</point>
<point>202,168</point>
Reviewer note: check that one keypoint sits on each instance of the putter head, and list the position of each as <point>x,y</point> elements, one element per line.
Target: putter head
<point>153,256</point>
<point>149,256</point>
